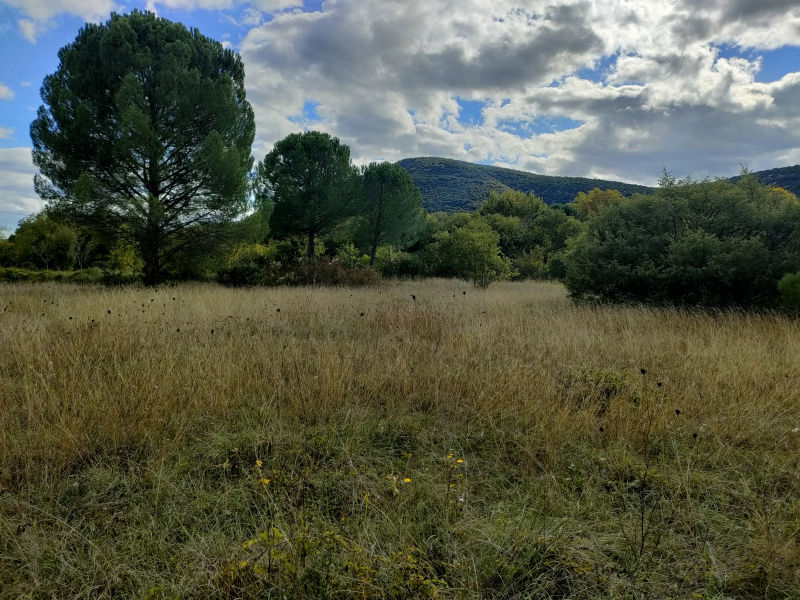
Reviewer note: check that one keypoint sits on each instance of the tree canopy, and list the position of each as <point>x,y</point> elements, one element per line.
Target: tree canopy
<point>145,132</point>
<point>391,212</point>
<point>708,243</point>
<point>310,183</point>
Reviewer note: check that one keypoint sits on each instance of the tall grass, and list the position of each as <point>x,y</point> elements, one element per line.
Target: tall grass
<point>607,451</point>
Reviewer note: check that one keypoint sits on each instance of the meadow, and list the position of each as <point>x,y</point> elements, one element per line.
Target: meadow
<point>420,439</point>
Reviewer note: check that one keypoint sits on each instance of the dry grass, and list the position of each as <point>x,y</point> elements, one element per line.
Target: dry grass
<point>127,414</point>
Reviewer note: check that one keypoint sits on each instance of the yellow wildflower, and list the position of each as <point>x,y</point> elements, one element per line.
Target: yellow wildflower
<point>459,461</point>
<point>265,481</point>
<point>258,464</point>
<point>406,480</point>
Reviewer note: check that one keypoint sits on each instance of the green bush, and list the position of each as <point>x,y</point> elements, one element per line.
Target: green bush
<point>789,289</point>
<point>392,263</point>
<point>262,270</point>
<point>706,243</point>
<point>470,252</point>
<point>13,275</point>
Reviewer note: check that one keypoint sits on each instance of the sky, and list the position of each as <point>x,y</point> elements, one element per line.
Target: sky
<point>615,89</point>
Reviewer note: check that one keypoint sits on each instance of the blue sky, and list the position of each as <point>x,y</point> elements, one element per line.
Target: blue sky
<point>603,88</point>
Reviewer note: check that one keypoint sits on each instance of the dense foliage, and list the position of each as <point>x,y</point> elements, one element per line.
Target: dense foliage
<point>707,243</point>
<point>391,211</point>
<point>787,178</point>
<point>145,134</point>
<point>310,184</point>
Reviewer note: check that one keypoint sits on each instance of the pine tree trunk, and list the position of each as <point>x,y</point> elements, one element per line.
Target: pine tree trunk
<point>311,247</point>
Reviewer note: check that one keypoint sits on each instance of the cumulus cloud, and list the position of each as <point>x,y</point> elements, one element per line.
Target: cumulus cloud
<point>41,10</point>
<point>6,93</point>
<point>16,183</point>
<point>268,6</point>
<point>6,133</point>
<point>643,84</point>
<point>609,88</point>
<point>29,29</point>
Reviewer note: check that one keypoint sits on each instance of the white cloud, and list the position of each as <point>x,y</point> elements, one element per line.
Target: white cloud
<point>387,78</point>
<point>25,83</point>
<point>6,93</point>
<point>6,133</point>
<point>268,6</point>
<point>16,182</point>
<point>42,10</point>
<point>189,4</point>
<point>645,83</point>
<point>29,29</point>
<point>251,17</point>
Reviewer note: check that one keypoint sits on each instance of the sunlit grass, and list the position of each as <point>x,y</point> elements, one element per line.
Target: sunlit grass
<point>607,451</point>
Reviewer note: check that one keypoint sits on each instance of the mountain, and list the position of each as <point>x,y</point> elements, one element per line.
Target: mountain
<point>786,177</point>
<point>453,185</point>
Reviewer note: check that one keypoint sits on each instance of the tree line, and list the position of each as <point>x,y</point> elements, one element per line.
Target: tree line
<point>143,144</point>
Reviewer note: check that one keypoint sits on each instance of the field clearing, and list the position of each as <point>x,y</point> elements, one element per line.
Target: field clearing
<point>619,452</point>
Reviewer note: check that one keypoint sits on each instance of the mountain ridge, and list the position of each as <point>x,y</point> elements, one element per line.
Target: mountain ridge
<point>451,185</point>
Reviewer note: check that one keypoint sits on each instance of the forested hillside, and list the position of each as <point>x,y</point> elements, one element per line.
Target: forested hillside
<point>453,185</point>
<point>786,177</point>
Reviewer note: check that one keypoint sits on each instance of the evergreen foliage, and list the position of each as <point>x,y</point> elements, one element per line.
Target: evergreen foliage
<point>454,186</point>
<point>311,185</point>
<point>787,178</point>
<point>789,289</point>
<point>391,211</point>
<point>530,231</point>
<point>707,243</point>
<point>145,133</point>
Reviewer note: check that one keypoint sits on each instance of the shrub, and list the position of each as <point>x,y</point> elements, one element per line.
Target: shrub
<point>706,243</point>
<point>13,274</point>
<point>390,262</point>
<point>471,252</point>
<point>323,271</point>
<point>789,289</point>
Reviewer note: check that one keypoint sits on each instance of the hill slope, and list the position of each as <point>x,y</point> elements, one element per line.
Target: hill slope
<point>786,177</point>
<point>453,185</point>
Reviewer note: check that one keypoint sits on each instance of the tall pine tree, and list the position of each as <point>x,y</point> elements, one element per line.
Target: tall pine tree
<point>391,211</point>
<point>310,183</point>
<point>145,132</point>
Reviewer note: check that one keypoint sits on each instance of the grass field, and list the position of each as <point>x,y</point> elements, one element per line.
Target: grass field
<point>420,439</point>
